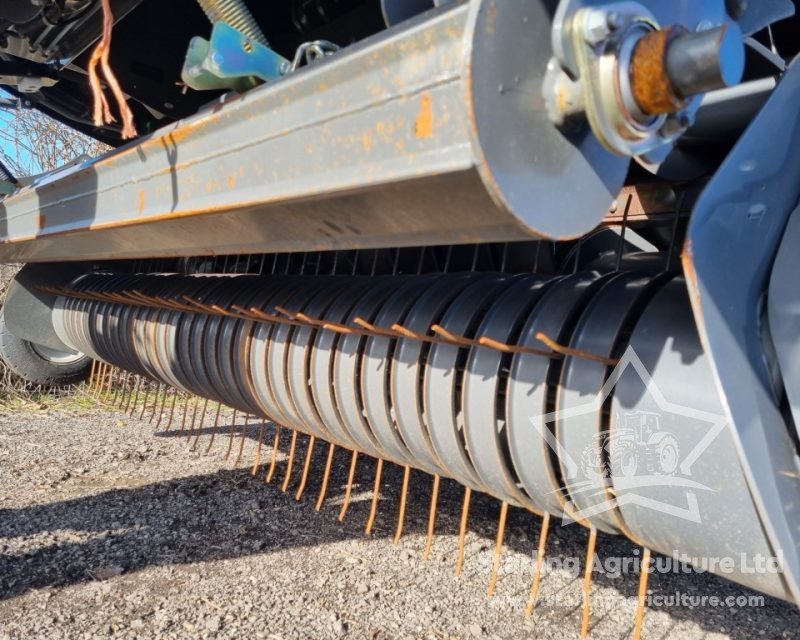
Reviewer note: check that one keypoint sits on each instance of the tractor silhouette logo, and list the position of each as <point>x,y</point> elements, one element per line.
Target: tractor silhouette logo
<point>637,446</point>
<point>635,454</point>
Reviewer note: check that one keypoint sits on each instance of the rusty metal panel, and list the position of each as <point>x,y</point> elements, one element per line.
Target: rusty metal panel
<point>377,146</point>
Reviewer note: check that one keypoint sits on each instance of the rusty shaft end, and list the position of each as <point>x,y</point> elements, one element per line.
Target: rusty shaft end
<point>670,66</point>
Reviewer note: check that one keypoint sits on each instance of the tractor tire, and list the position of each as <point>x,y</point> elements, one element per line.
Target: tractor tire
<point>40,365</point>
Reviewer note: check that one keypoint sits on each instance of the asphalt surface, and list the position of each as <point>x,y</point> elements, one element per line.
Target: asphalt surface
<point>110,527</point>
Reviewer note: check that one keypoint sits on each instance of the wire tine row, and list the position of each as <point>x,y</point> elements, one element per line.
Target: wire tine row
<point>285,316</point>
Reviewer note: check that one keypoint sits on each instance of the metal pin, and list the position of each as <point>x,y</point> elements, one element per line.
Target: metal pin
<point>350,477</point>
<point>194,417</point>
<point>276,443</point>
<point>103,382</point>
<point>95,373</point>
<point>200,424</point>
<point>108,386</point>
<point>172,408</point>
<point>230,435</point>
<point>132,396</point>
<point>185,413</point>
<point>125,389</point>
<point>101,375</point>
<point>257,461</point>
<point>135,396</point>
<point>376,490</point>
<point>587,581</point>
<point>640,605</point>
<point>290,462</point>
<point>245,429</point>
<point>155,402</point>
<point>462,532</point>
<point>163,404</point>
<point>325,477</point>
<point>306,466</point>
<point>99,381</point>
<point>498,549</point>
<point>144,402</point>
<point>432,517</point>
<point>214,429</point>
<point>538,571</point>
<point>401,516</point>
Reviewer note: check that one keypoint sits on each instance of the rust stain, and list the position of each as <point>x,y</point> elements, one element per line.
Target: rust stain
<point>424,124</point>
<point>491,18</point>
<point>141,201</point>
<point>230,181</point>
<point>562,99</point>
<point>650,82</point>
<point>366,141</point>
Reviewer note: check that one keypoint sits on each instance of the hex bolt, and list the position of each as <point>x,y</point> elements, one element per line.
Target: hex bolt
<point>596,27</point>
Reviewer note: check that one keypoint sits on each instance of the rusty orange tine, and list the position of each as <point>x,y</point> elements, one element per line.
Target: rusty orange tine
<point>315,322</point>
<point>325,477</point>
<point>131,392</point>
<point>372,329</point>
<point>290,462</point>
<point>135,396</point>
<point>510,348</point>
<point>95,374</point>
<point>276,443</point>
<point>577,353</point>
<point>349,489</point>
<point>144,402</point>
<point>125,390</point>
<point>194,303</point>
<point>537,575</point>
<point>242,437</point>
<point>587,581</point>
<point>91,372</point>
<point>401,516</point>
<point>185,413</point>
<point>109,383</point>
<point>257,460</point>
<point>306,466</point>
<point>99,382</point>
<point>460,341</point>
<point>194,418</point>
<point>172,408</point>
<point>498,549</point>
<point>214,429</point>
<point>432,517</point>
<point>230,435</point>
<point>462,531</point>
<point>243,313</point>
<point>268,317</point>
<point>155,403</point>
<point>163,405</point>
<point>292,315</point>
<point>200,424</point>
<point>376,492</point>
<point>642,596</point>
<point>341,328</point>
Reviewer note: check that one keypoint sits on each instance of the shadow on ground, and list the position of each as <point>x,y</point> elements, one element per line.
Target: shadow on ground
<point>229,514</point>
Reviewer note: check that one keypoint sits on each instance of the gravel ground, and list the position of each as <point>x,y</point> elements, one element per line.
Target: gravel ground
<point>109,528</point>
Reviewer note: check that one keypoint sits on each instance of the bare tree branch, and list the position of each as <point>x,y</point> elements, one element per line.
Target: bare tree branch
<point>32,143</point>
